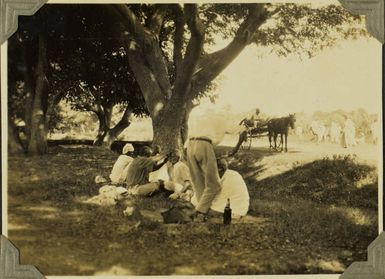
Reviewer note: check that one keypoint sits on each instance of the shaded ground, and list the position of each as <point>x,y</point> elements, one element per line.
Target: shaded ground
<point>312,216</point>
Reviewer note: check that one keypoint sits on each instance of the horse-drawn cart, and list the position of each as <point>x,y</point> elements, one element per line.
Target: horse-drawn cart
<point>252,134</point>
<point>272,128</point>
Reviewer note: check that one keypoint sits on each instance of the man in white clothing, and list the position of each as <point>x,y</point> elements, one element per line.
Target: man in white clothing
<point>119,170</point>
<point>349,133</point>
<point>179,174</point>
<point>203,135</point>
<point>233,188</point>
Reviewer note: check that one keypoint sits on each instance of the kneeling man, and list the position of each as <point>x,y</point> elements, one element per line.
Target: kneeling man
<point>233,188</point>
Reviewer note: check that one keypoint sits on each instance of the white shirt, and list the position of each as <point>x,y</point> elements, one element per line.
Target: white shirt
<point>160,174</point>
<point>235,189</point>
<point>119,170</point>
<point>179,173</point>
<point>209,126</point>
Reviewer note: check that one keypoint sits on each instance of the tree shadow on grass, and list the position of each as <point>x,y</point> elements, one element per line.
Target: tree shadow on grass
<point>246,162</point>
<point>62,236</point>
<point>339,181</point>
<point>328,205</point>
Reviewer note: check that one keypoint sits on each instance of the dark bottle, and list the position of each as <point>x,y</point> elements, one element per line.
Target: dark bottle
<point>227,214</point>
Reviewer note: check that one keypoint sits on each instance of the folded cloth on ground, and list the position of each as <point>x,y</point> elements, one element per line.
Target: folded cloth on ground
<point>108,195</point>
<point>100,179</point>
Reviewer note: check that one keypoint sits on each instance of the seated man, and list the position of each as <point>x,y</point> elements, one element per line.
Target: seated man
<point>179,174</point>
<point>253,121</point>
<point>233,188</point>
<point>119,170</point>
<point>137,179</point>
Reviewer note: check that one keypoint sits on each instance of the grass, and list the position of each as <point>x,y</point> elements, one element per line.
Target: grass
<point>323,212</point>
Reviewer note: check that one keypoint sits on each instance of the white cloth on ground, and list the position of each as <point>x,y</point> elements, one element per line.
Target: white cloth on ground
<point>119,170</point>
<point>108,195</point>
<point>233,188</point>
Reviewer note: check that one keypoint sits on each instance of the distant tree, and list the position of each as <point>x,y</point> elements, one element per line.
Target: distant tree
<point>29,97</point>
<point>66,53</point>
<point>97,78</point>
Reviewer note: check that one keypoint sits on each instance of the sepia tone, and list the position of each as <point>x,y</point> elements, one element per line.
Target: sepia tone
<point>9,254</point>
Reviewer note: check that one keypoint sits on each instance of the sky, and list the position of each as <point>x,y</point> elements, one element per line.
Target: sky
<point>347,76</point>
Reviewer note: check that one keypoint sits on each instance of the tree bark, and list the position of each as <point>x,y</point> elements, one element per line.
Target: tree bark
<point>37,144</point>
<point>167,129</point>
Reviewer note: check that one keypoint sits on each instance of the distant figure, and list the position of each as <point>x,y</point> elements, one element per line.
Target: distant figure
<point>318,130</point>
<point>252,121</point>
<point>349,133</point>
<point>374,130</point>
<point>119,170</point>
<point>361,138</point>
<point>233,188</point>
<point>335,132</point>
<point>253,125</point>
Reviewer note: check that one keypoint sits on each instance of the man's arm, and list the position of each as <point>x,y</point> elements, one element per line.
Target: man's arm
<point>159,160</point>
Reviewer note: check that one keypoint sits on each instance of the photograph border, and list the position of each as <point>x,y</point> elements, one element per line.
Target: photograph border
<point>10,266</point>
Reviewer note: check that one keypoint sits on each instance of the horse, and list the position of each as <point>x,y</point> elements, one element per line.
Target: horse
<point>280,126</point>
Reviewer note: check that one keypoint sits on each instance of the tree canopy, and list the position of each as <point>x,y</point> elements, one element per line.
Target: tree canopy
<point>158,58</point>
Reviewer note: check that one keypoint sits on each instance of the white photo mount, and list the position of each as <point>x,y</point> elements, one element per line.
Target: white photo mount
<point>372,269</point>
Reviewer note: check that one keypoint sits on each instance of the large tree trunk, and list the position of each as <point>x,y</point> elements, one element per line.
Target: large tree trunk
<point>170,126</point>
<point>166,103</point>
<point>37,144</point>
<point>167,129</point>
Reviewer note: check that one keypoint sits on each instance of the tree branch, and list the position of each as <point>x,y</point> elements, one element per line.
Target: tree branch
<point>129,18</point>
<point>155,21</point>
<point>145,44</point>
<point>193,50</point>
<point>211,65</point>
<point>178,37</point>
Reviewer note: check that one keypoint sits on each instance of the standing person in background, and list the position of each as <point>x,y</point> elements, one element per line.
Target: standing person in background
<point>201,159</point>
<point>335,132</point>
<point>119,170</point>
<point>349,138</point>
